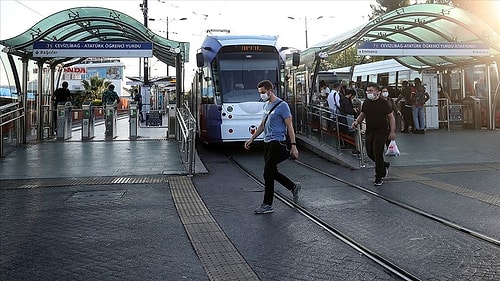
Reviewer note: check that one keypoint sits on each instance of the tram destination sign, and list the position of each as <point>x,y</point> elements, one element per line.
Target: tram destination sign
<point>422,49</point>
<point>43,49</point>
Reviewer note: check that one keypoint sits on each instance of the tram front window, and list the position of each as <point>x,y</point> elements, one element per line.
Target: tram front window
<point>240,75</point>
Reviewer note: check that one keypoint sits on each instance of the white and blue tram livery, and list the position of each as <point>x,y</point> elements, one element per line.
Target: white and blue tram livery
<point>224,90</point>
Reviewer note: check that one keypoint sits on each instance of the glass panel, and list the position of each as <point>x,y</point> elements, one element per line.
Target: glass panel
<point>240,74</point>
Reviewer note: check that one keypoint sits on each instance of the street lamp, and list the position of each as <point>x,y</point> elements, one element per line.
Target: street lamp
<point>167,20</point>
<point>305,26</point>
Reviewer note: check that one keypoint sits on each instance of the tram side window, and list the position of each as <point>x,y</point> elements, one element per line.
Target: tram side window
<point>216,84</point>
<point>207,89</point>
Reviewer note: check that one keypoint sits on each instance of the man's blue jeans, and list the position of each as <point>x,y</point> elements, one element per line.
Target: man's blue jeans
<point>418,117</point>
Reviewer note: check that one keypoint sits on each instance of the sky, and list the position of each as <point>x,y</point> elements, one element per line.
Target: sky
<point>240,17</point>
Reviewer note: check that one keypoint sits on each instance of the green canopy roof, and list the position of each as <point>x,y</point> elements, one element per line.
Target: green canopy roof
<point>93,24</point>
<point>419,23</point>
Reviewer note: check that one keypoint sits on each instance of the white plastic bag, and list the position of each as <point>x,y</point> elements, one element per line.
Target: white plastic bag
<point>392,149</point>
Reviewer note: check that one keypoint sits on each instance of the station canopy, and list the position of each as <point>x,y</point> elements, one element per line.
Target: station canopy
<point>92,24</point>
<point>426,23</point>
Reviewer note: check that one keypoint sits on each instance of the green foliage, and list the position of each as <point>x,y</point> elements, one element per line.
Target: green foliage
<point>94,87</point>
<point>385,6</point>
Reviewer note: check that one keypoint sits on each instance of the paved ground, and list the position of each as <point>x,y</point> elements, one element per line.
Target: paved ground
<point>110,210</point>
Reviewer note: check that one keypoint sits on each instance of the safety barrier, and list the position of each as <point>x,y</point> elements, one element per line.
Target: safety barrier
<point>11,116</point>
<point>186,128</point>
<point>318,121</point>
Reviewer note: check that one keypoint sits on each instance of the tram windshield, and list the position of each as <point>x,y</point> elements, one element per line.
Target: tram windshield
<point>240,74</point>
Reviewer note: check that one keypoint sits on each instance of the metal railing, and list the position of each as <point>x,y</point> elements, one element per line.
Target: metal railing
<point>11,117</point>
<point>318,122</point>
<point>186,124</point>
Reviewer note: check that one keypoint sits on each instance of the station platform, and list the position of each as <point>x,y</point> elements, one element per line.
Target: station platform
<point>127,210</point>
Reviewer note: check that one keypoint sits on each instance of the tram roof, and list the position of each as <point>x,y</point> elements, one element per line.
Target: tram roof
<point>433,23</point>
<point>92,24</point>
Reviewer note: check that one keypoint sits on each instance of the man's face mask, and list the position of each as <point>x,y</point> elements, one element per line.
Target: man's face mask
<point>264,96</point>
<point>370,96</point>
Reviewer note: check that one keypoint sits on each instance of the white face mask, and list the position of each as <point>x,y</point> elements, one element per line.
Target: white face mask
<point>264,97</point>
<point>370,96</point>
<point>385,94</point>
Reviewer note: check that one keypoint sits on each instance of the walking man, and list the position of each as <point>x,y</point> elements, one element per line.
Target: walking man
<point>377,113</point>
<point>276,123</point>
<point>61,95</point>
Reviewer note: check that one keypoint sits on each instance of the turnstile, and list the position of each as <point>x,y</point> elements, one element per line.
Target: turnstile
<point>64,120</point>
<point>110,123</point>
<point>88,120</point>
<point>133,117</point>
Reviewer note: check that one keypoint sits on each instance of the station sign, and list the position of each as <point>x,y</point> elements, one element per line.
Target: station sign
<point>422,49</point>
<point>105,49</point>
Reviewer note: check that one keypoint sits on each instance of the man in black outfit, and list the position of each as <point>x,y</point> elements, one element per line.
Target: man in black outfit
<point>377,112</point>
<point>406,109</point>
<point>138,99</point>
<point>60,95</point>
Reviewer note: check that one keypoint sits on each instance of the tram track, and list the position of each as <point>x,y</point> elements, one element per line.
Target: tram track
<point>379,259</point>
<point>373,256</point>
<point>405,206</point>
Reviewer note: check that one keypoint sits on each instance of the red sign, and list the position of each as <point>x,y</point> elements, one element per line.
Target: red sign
<point>75,69</point>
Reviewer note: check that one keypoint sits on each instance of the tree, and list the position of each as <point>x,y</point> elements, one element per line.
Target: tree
<point>94,87</point>
<point>487,10</point>
<point>385,6</point>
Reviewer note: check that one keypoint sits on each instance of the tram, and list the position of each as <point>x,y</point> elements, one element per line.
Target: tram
<point>224,89</point>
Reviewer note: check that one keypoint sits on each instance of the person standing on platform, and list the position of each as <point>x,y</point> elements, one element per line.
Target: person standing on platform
<point>333,101</point>
<point>138,99</point>
<point>385,95</point>
<point>324,90</point>
<point>347,111</point>
<point>60,95</point>
<point>276,123</point>
<point>406,108</point>
<point>377,113</point>
<point>419,97</point>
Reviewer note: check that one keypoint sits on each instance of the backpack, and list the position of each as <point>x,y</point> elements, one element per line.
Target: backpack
<point>419,96</point>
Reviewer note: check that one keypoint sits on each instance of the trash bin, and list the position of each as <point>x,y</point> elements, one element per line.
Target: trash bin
<point>64,120</point>
<point>471,113</point>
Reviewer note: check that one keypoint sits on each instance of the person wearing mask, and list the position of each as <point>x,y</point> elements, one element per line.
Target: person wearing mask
<point>276,124</point>
<point>405,95</point>
<point>385,95</point>
<point>333,98</point>
<point>379,117</point>
<point>324,91</point>
<point>419,97</point>
<point>347,110</point>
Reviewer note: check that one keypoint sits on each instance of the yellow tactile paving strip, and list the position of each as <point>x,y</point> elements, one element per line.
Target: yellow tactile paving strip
<point>404,175</point>
<point>219,257</point>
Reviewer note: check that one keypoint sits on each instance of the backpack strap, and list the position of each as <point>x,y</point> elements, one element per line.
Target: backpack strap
<point>269,113</point>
